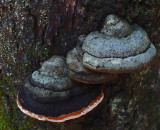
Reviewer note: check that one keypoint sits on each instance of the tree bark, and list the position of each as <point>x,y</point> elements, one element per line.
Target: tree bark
<point>31,31</point>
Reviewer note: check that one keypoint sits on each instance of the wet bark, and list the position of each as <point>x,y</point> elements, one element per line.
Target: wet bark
<point>31,31</point>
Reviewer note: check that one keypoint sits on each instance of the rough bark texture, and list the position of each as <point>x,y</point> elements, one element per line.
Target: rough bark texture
<point>31,31</point>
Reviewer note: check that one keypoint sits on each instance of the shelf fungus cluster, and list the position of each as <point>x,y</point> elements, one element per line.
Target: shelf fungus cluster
<point>67,89</point>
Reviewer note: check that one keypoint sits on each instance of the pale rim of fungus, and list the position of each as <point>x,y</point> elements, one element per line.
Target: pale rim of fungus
<point>120,65</point>
<point>64,117</point>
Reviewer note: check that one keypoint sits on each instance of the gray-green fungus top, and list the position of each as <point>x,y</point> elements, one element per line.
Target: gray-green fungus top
<point>118,47</point>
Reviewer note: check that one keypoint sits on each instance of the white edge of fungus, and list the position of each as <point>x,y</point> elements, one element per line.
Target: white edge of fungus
<point>86,110</point>
<point>128,63</point>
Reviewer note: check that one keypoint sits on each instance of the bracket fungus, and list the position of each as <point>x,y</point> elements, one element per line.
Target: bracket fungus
<point>80,74</point>
<point>117,48</point>
<point>49,95</point>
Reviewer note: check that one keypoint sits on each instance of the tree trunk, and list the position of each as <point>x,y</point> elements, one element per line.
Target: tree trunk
<point>31,31</point>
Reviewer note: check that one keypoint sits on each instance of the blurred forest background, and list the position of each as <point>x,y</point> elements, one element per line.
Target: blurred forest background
<point>31,31</point>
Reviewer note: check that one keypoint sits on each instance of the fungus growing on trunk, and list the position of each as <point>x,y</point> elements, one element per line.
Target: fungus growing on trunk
<point>117,48</point>
<point>80,74</point>
<point>49,95</point>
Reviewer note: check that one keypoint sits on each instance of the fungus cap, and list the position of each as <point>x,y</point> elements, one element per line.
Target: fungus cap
<point>54,66</point>
<point>103,46</point>
<point>43,86</point>
<point>52,75</point>
<point>44,94</point>
<point>62,110</point>
<point>78,73</point>
<point>56,98</point>
<point>107,51</point>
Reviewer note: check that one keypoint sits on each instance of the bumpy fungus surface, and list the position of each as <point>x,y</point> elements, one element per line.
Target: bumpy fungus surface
<point>49,95</point>
<point>78,73</point>
<point>117,48</point>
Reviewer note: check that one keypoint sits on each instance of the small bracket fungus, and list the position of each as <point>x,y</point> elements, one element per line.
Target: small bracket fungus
<point>80,74</point>
<point>117,48</point>
<point>49,95</point>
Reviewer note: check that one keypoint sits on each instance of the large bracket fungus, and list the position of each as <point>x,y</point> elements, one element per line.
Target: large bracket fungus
<point>117,48</point>
<point>49,95</point>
